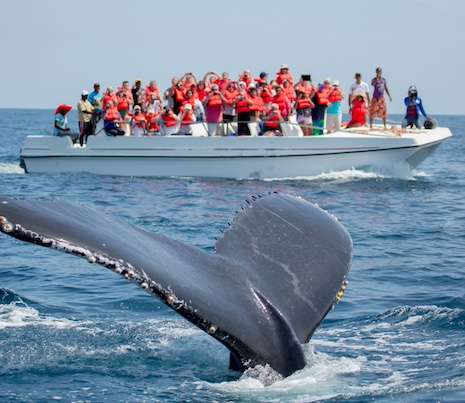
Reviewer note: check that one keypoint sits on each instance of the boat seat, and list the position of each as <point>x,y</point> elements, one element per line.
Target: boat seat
<point>291,130</point>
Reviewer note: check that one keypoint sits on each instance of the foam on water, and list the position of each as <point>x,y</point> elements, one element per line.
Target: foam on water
<point>8,168</point>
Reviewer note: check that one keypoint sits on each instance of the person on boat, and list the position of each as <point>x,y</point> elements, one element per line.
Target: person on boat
<point>138,122</point>
<point>85,111</point>
<point>178,96</point>
<point>378,107</point>
<point>223,82</point>
<point>257,106</point>
<point>109,96</point>
<point>96,98</point>
<point>321,101</point>
<point>153,118</point>
<point>284,74</point>
<point>272,122</point>
<point>126,89</point>
<point>265,91</point>
<point>61,125</point>
<point>187,118</point>
<point>282,101</point>
<point>137,93</point>
<point>305,85</point>
<point>152,89</point>
<point>359,87</point>
<point>289,91</point>
<point>242,106</point>
<point>414,106</point>
<point>169,122</point>
<point>112,120</point>
<point>358,112</point>
<point>304,106</point>
<point>246,77</point>
<point>334,111</point>
<point>262,78</point>
<point>201,90</point>
<point>214,106</point>
<point>230,94</point>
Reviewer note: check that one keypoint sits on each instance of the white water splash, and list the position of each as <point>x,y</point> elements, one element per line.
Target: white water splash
<point>18,314</point>
<point>8,168</point>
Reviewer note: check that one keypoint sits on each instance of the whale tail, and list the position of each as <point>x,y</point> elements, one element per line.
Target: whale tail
<point>276,272</point>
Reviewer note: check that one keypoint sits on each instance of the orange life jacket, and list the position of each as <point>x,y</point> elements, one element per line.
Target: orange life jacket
<point>230,97</point>
<point>123,105</point>
<point>112,114</point>
<point>139,120</point>
<point>178,94</point>
<point>283,103</point>
<point>306,89</point>
<point>257,104</point>
<point>215,100</point>
<point>188,118</point>
<point>335,95</point>
<point>322,96</point>
<point>242,106</point>
<point>272,121</point>
<point>152,122</point>
<point>303,103</point>
<point>169,119</point>
<point>266,95</point>
<point>290,93</point>
<point>281,77</point>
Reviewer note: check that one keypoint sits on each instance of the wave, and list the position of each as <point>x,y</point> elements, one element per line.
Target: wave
<point>10,168</point>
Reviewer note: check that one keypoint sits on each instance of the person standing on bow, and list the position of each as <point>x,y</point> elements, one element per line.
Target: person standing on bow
<point>86,111</point>
<point>359,87</point>
<point>378,107</point>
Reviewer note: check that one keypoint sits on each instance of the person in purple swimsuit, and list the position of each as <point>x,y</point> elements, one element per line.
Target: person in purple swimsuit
<point>378,107</point>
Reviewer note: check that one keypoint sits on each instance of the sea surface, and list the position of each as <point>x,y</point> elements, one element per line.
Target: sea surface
<point>73,331</point>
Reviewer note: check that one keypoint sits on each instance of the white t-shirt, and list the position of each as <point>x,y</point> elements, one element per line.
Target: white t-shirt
<point>359,89</point>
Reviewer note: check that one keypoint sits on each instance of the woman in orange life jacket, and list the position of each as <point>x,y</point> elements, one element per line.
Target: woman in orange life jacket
<point>153,117</point>
<point>284,74</point>
<point>321,101</point>
<point>305,85</point>
<point>257,106</point>
<point>214,106</point>
<point>112,120</point>
<point>169,122</point>
<point>230,94</point>
<point>178,96</point>
<point>242,106</point>
<point>109,96</point>
<point>289,91</point>
<point>246,77</point>
<point>283,102</point>
<point>123,107</point>
<point>201,91</point>
<point>264,90</point>
<point>304,106</point>
<point>334,111</point>
<point>186,117</point>
<point>138,122</point>
<point>272,122</point>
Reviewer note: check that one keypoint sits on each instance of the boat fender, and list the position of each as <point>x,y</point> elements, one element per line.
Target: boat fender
<point>430,124</point>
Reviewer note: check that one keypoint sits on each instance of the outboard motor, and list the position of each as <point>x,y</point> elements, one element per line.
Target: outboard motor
<point>430,124</point>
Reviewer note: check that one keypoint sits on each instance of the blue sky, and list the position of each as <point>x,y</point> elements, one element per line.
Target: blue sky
<point>51,50</point>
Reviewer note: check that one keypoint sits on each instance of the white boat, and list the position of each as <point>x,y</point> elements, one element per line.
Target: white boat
<point>290,156</point>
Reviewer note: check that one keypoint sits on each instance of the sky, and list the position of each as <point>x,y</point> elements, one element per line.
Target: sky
<point>52,50</point>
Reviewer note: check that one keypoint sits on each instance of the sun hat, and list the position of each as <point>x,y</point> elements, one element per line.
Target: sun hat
<point>84,93</point>
<point>284,66</point>
<point>63,109</point>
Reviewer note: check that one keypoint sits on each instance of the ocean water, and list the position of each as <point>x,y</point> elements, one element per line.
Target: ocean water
<point>73,331</point>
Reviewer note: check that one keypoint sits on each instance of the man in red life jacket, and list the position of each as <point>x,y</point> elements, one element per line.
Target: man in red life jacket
<point>112,120</point>
<point>230,94</point>
<point>152,89</point>
<point>284,74</point>
<point>257,106</point>
<point>153,126</point>
<point>305,85</point>
<point>187,118</point>
<point>321,101</point>
<point>283,102</point>
<point>289,91</point>
<point>170,122</point>
<point>214,105</point>
<point>242,106</point>
<point>246,77</point>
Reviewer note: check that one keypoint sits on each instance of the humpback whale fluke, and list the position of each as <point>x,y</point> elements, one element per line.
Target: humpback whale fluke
<point>277,270</point>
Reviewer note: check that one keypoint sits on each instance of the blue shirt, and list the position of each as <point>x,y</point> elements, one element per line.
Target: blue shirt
<point>335,108</point>
<point>417,103</point>
<point>95,97</point>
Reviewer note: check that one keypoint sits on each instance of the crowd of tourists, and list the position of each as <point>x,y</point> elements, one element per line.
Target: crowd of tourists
<point>268,101</point>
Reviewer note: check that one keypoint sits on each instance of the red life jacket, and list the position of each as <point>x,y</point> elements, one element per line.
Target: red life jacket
<point>112,114</point>
<point>201,94</point>
<point>306,89</point>
<point>245,79</point>
<point>215,101</point>
<point>190,101</point>
<point>123,105</point>
<point>152,122</point>
<point>322,96</point>
<point>335,95</point>
<point>242,106</point>
<point>169,119</point>
<point>139,120</point>
<point>188,118</point>
<point>290,93</point>
<point>272,122</point>
<point>257,104</point>
<point>178,95</point>
<point>283,103</point>
<point>266,95</point>
<point>359,112</point>
<point>304,103</point>
<point>230,97</point>
<point>281,77</point>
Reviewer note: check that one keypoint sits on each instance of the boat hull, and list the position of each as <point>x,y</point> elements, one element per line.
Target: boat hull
<point>258,158</point>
